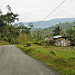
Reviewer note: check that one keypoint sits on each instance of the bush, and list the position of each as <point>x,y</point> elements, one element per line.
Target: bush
<point>49,43</point>
<point>35,42</point>
<point>28,45</point>
<point>52,52</point>
<point>39,42</point>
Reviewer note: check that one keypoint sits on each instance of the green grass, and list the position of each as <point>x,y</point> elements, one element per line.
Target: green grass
<point>61,59</point>
<point>3,42</point>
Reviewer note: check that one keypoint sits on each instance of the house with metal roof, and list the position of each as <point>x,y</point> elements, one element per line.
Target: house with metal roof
<point>59,40</point>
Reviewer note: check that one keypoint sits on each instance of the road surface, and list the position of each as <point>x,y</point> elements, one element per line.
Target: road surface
<point>14,62</point>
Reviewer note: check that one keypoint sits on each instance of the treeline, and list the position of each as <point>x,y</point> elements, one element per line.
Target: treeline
<point>11,31</point>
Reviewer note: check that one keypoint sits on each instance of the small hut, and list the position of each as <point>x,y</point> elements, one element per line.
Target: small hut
<point>61,41</point>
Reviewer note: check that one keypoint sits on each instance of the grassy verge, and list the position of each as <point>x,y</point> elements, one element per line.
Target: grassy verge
<point>61,59</point>
<point>3,42</point>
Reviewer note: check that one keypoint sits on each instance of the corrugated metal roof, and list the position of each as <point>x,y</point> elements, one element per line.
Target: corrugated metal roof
<point>58,36</point>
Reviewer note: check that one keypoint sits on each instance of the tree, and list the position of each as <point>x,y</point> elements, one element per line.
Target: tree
<point>37,34</point>
<point>9,17</point>
<point>23,28</point>
<point>7,31</point>
<point>9,8</point>
<point>31,25</point>
<point>0,12</point>
<point>57,30</point>
<point>70,32</point>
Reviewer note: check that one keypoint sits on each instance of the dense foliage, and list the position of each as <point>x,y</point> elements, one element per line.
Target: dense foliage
<point>11,32</point>
<point>71,34</point>
<point>64,29</point>
<point>63,26</point>
<point>57,31</point>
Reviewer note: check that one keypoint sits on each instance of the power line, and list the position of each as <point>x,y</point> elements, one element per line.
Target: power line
<point>53,10</point>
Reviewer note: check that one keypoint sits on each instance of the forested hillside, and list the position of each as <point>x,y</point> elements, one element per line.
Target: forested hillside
<point>48,31</point>
<point>64,26</point>
<point>66,29</point>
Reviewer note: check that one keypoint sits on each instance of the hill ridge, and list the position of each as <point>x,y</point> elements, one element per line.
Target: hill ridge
<point>49,23</point>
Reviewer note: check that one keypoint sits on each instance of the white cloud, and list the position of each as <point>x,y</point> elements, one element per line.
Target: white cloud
<point>34,10</point>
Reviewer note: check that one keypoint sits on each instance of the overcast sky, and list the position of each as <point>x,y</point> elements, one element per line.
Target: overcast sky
<point>36,10</point>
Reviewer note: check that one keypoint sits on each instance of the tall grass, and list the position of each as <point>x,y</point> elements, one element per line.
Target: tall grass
<point>61,59</point>
<point>3,42</point>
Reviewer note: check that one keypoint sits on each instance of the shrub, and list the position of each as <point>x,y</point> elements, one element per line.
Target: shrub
<point>35,42</point>
<point>49,43</point>
<point>52,52</point>
<point>28,44</point>
<point>39,42</point>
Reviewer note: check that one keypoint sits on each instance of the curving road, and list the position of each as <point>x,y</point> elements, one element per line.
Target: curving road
<point>14,62</point>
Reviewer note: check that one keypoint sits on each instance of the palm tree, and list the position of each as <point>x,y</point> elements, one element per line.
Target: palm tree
<point>57,30</point>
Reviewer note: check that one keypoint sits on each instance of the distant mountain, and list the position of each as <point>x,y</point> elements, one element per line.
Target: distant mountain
<point>49,23</point>
<point>64,26</point>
